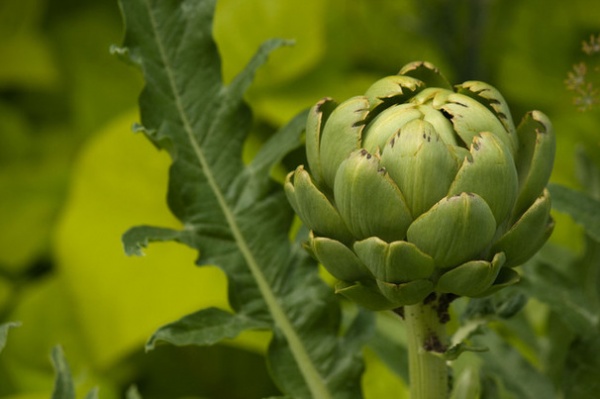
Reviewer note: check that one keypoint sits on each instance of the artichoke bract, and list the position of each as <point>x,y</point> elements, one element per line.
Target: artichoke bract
<point>418,187</point>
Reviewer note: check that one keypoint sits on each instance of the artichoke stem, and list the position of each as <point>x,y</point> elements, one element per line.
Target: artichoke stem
<point>427,342</point>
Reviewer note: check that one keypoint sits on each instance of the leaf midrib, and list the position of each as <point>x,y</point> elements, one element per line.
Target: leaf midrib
<point>311,375</point>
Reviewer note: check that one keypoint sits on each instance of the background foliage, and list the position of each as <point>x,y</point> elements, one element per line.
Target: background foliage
<point>73,179</point>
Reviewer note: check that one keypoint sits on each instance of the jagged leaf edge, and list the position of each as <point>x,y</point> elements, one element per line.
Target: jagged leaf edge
<point>203,328</point>
<point>157,139</point>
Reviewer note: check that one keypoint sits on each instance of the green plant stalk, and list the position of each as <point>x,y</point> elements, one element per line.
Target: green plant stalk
<point>426,335</point>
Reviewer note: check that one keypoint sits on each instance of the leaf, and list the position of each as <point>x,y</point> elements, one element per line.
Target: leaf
<point>234,214</point>
<point>4,332</point>
<point>205,327</point>
<point>158,288</point>
<point>63,383</point>
<point>584,209</point>
<point>563,295</point>
<point>519,376</point>
<point>582,369</point>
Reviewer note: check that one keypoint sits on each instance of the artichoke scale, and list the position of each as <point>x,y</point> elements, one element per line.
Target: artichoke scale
<point>338,259</point>
<point>528,234</point>
<point>313,207</point>
<point>490,172</point>
<point>396,262</point>
<point>368,200</point>
<point>536,157</point>
<point>385,125</point>
<point>342,135</point>
<point>421,164</point>
<point>315,121</point>
<point>396,88</point>
<point>427,73</point>
<point>404,294</point>
<point>365,294</point>
<point>489,96</point>
<point>471,278</point>
<point>469,118</point>
<point>455,230</point>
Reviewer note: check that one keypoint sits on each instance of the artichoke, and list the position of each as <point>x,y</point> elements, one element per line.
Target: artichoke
<point>419,187</point>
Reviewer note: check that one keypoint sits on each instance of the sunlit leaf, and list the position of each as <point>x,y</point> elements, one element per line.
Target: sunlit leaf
<point>121,301</point>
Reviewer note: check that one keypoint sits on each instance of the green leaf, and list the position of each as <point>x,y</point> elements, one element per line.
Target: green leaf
<point>584,209</point>
<point>4,332</point>
<point>506,363</point>
<point>582,369</point>
<point>63,383</point>
<point>205,327</point>
<point>234,214</point>
<point>563,295</point>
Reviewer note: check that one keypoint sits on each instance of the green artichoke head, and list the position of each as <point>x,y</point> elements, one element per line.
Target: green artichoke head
<point>418,187</point>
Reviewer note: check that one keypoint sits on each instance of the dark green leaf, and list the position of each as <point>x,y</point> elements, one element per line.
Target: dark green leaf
<point>234,214</point>
<point>4,332</point>
<point>517,375</point>
<point>582,369</point>
<point>205,327</point>
<point>584,209</point>
<point>563,295</point>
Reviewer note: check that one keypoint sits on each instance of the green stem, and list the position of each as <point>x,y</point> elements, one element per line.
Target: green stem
<point>426,335</point>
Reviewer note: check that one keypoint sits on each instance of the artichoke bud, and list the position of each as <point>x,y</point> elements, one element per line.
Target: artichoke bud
<point>418,187</point>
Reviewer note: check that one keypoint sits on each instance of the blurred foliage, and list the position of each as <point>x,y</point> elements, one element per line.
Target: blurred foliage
<point>73,179</point>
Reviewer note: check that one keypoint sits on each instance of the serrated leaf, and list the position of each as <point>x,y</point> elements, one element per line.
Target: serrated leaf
<point>234,214</point>
<point>520,377</point>
<point>4,332</point>
<point>205,327</point>
<point>582,369</point>
<point>563,296</point>
<point>584,209</point>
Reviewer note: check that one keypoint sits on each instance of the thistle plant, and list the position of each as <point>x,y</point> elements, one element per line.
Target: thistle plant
<point>417,192</point>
